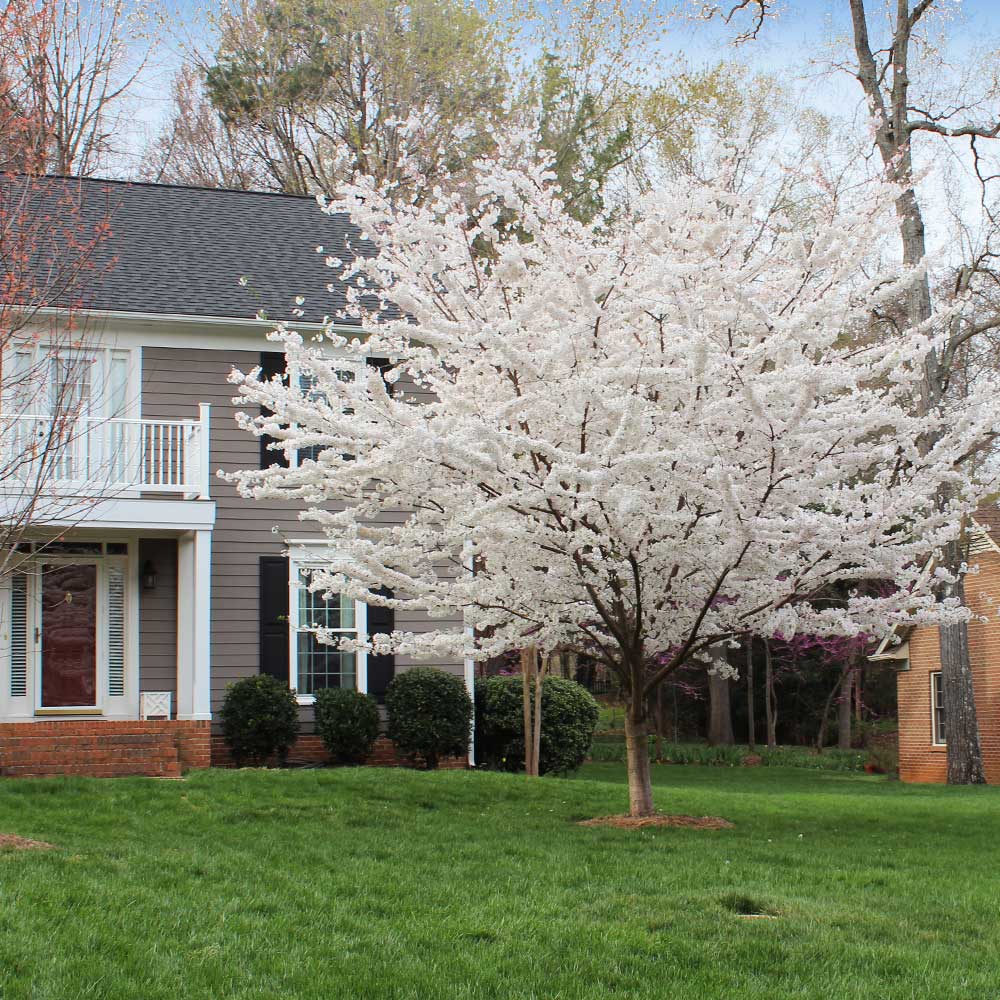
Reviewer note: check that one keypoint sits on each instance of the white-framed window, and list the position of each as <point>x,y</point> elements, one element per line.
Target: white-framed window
<point>347,370</point>
<point>88,382</point>
<point>937,710</point>
<point>315,665</point>
<point>71,401</point>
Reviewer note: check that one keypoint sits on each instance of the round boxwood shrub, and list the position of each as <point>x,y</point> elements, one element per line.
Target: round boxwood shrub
<point>569,718</point>
<point>430,714</point>
<point>347,722</point>
<point>260,719</point>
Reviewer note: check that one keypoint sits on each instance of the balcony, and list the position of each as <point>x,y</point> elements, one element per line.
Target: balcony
<point>108,457</point>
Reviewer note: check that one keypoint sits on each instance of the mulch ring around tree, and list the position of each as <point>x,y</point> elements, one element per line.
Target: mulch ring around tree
<point>643,822</point>
<point>12,842</point>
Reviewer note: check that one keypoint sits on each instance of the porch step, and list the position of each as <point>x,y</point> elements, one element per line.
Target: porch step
<point>100,754</point>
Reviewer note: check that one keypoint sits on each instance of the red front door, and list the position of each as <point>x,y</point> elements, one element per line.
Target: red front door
<point>69,635</point>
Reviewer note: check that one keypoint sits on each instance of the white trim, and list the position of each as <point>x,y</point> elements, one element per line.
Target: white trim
<point>194,626</point>
<point>125,512</point>
<point>28,708</point>
<point>132,653</point>
<point>893,633</point>
<point>233,322</point>
<point>297,561</point>
<point>935,708</point>
<point>984,534</point>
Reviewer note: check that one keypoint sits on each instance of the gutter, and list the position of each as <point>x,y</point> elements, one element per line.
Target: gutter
<point>174,319</point>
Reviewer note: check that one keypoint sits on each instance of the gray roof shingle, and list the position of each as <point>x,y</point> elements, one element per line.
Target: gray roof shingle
<point>183,250</point>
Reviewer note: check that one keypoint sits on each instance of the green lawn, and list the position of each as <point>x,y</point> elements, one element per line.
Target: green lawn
<point>366,883</point>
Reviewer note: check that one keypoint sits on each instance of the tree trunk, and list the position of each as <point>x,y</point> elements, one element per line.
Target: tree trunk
<point>751,720</point>
<point>659,722</point>
<point>536,730</point>
<point>889,99</point>
<point>529,671</point>
<point>844,711</point>
<point>770,708</point>
<point>965,754</point>
<point>640,785</point>
<point>720,721</point>
<point>825,717</point>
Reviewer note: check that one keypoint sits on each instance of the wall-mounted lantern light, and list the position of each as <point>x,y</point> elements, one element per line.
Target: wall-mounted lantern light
<point>148,576</point>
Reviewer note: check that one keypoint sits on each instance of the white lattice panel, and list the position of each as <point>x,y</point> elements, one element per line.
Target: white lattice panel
<point>154,705</point>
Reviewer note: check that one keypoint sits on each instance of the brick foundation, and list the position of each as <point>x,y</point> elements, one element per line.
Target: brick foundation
<point>310,750</point>
<point>102,748</point>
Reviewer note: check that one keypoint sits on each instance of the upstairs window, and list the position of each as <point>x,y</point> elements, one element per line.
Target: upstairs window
<point>73,404</point>
<point>345,372</point>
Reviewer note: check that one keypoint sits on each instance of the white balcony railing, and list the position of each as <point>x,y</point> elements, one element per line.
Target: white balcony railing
<point>108,457</point>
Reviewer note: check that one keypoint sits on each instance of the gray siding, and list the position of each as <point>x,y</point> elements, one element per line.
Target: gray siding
<point>175,381</point>
<point>158,618</point>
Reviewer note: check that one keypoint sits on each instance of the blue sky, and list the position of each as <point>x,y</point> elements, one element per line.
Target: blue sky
<point>802,30</point>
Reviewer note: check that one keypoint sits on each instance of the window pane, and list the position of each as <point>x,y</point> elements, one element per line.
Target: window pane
<point>307,383</point>
<point>24,387</point>
<point>937,709</point>
<point>315,612</point>
<point>323,666</point>
<point>69,384</point>
<point>118,386</point>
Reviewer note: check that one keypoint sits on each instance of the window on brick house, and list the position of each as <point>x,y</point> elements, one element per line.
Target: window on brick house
<point>937,710</point>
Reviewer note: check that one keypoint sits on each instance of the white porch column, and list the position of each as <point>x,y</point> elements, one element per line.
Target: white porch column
<point>194,617</point>
<point>470,686</point>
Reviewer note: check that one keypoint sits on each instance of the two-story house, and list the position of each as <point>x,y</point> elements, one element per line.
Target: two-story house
<point>150,584</point>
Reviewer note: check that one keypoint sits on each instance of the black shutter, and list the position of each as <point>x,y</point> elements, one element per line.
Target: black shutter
<point>383,366</point>
<point>274,617</point>
<point>271,363</point>
<point>381,669</point>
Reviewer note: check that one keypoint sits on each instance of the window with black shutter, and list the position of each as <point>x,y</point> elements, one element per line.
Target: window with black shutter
<point>271,363</point>
<point>383,366</point>
<point>381,669</point>
<point>274,617</point>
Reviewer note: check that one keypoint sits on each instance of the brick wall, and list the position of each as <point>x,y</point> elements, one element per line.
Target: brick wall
<point>919,759</point>
<point>310,750</point>
<point>101,748</point>
<point>165,749</point>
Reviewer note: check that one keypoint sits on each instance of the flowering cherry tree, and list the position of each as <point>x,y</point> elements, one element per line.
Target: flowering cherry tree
<point>655,432</point>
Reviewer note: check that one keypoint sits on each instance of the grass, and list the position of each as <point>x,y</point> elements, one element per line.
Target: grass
<point>370,883</point>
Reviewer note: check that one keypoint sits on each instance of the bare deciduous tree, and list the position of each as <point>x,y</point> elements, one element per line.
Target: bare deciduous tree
<point>891,45</point>
<point>66,67</point>
<point>49,384</point>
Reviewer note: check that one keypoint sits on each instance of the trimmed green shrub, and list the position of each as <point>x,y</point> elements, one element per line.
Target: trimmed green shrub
<point>260,719</point>
<point>430,714</point>
<point>569,717</point>
<point>347,722</point>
